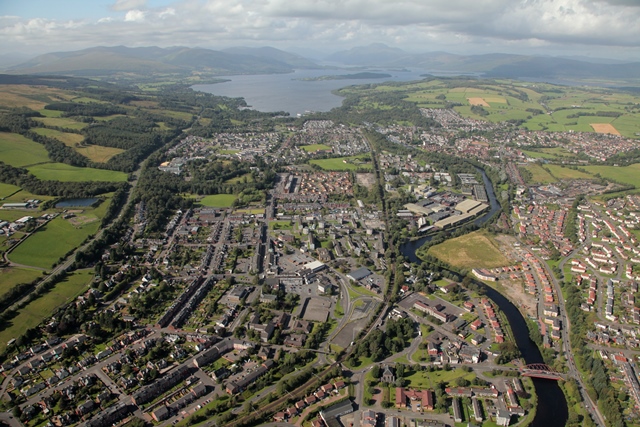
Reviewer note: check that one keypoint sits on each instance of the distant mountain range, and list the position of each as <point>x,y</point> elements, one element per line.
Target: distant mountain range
<point>101,61</point>
<point>491,65</point>
<point>120,59</point>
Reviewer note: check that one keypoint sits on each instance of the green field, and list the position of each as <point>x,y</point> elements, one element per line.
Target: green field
<point>15,276</point>
<point>67,173</point>
<point>561,172</point>
<point>69,139</point>
<point>626,174</point>
<point>6,190</point>
<point>315,147</point>
<point>423,379</point>
<point>539,106</point>
<point>98,153</point>
<point>16,150</point>
<point>51,242</point>
<point>61,122</point>
<point>31,315</point>
<point>247,177</point>
<point>218,201</point>
<point>473,250</point>
<point>539,174</point>
<point>343,163</point>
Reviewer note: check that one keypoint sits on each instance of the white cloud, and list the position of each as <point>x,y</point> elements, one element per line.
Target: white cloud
<point>128,4</point>
<point>134,16</point>
<point>417,25</point>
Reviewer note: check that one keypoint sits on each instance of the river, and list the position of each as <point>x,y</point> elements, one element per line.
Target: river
<point>552,408</point>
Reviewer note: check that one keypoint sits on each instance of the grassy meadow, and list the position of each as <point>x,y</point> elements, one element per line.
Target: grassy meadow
<point>67,173</point>
<point>218,200</point>
<point>18,151</point>
<point>473,250</point>
<point>43,307</point>
<point>343,163</point>
<point>51,242</point>
<point>14,276</point>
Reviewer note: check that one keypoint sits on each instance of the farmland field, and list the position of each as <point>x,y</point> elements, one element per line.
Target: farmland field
<point>627,174</point>
<point>475,249</point>
<point>561,172</point>
<point>539,174</point>
<point>15,276</point>
<point>69,139</point>
<point>7,189</point>
<point>98,153</point>
<point>16,150</point>
<point>67,173</point>
<point>343,163</point>
<point>63,122</point>
<point>605,128</point>
<point>218,200</point>
<point>478,101</point>
<point>34,97</point>
<point>31,315</point>
<point>51,242</point>
<point>564,108</point>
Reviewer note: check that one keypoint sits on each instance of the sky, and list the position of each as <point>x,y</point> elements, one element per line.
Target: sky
<point>595,28</point>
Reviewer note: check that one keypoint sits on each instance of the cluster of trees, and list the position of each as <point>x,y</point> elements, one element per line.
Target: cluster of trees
<point>597,113</point>
<point>571,229</point>
<point>91,109</point>
<point>380,344</point>
<point>598,379</point>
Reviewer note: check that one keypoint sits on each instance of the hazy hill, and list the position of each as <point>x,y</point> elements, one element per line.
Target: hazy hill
<point>106,60</point>
<point>492,65</point>
<point>374,54</point>
<point>272,53</point>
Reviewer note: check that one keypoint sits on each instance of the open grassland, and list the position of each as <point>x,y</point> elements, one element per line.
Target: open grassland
<point>540,175</point>
<point>473,250</point>
<point>343,163</point>
<point>67,173</point>
<point>626,174</point>
<point>15,276</point>
<point>424,379</point>
<point>16,150</point>
<point>43,307</point>
<point>315,147</point>
<point>7,189</point>
<point>561,172</point>
<point>54,240</point>
<point>98,153</point>
<point>247,177</point>
<point>218,200</point>
<point>69,139</point>
<point>34,97</point>
<point>549,153</point>
<point>61,122</point>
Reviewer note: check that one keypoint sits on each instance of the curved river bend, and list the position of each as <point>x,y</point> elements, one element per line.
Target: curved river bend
<point>552,406</point>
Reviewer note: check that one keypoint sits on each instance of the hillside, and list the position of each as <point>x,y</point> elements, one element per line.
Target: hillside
<point>179,60</point>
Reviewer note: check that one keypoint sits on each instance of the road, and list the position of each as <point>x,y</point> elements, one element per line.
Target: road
<point>591,407</point>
